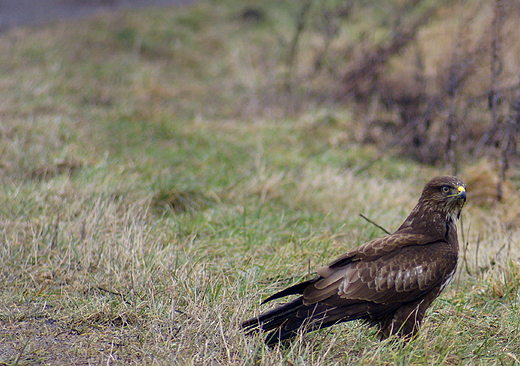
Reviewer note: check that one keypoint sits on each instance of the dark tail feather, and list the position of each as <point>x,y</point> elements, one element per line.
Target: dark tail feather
<point>311,318</point>
<point>304,318</point>
<point>282,315</point>
<point>293,290</point>
<point>273,318</point>
<point>285,321</point>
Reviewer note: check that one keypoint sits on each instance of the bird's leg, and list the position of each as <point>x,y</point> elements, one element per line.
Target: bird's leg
<point>406,320</point>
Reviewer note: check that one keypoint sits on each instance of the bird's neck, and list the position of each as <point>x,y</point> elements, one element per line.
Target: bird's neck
<point>435,223</point>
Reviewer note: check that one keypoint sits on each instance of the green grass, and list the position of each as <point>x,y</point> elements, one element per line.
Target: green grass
<point>148,204</point>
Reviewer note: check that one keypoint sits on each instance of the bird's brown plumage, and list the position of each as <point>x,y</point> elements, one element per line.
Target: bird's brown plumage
<point>389,282</point>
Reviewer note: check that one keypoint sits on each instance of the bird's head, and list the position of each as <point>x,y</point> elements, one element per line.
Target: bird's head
<point>446,194</point>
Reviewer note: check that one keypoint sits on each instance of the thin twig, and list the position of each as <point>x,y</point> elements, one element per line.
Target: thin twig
<point>376,225</point>
<point>293,47</point>
<point>54,239</point>
<point>466,246</point>
<point>115,293</point>
<point>20,353</point>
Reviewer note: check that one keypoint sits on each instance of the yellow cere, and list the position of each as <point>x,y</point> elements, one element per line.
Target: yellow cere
<point>460,189</point>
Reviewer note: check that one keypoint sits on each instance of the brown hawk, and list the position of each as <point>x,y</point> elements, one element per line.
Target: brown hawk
<point>389,282</point>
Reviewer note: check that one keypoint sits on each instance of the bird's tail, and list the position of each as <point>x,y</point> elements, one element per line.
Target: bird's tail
<point>283,322</point>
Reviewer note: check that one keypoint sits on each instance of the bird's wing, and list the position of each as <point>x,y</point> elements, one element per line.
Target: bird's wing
<point>386,270</point>
<point>381,246</point>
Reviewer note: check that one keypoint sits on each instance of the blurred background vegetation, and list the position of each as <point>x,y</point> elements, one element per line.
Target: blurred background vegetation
<point>432,81</point>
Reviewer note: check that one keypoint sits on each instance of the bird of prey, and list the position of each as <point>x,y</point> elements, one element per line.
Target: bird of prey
<point>388,282</point>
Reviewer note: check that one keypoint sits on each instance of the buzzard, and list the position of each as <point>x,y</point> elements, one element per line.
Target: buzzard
<point>388,282</point>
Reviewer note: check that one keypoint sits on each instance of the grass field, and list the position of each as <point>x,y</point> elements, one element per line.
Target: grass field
<point>149,202</point>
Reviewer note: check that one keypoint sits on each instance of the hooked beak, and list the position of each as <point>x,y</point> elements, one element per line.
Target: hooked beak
<point>462,193</point>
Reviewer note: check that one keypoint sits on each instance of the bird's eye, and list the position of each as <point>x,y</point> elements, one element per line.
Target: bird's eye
<point>445,189</point>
